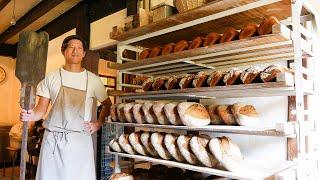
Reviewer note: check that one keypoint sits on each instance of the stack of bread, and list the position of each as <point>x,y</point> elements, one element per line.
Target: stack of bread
<point>193,149</point>
<point>230,34</point>
<point>234,76</point>
<point>185,113</point>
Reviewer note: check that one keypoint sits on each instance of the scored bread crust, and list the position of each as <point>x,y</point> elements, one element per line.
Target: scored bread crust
<point>114,145</point>
<point>225,113</point>
<point>170,141</point>
<point>172,114</point>
<point>158,109</point>
<point>149,115</point>
<point>193,114</point>
<point>128,112</point>
<point>227,153</point>
<point>120,112</point>
<point>185,150</point>
<point>200,148</point>
<point>157,141</point>
<point>134,139</point>
<point>138,113</point>
<point>113,112</point>
<point>146,142</point>
<point>215,118</point>
<point>125,144</point>
<point>246,115</point>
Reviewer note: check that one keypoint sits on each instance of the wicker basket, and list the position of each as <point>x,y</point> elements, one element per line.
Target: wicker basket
<point>185,5</point>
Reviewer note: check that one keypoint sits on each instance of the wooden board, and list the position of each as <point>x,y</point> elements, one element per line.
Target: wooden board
<point>260,131</point>
<point>252,170</point>
<point>280,9</point>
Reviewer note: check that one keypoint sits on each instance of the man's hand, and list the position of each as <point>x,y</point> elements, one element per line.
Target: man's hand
<point>27,115</point>
<point>93,126</point>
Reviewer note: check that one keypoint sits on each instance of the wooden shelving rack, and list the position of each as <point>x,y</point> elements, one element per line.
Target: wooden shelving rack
<point>294,39</point>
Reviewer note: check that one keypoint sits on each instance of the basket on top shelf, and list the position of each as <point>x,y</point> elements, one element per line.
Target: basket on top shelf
<point>185,5</point>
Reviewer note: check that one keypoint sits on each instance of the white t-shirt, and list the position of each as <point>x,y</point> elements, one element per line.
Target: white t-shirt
<point>50,86</point>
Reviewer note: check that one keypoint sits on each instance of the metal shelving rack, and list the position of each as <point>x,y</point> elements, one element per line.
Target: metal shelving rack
<point>294,39</point>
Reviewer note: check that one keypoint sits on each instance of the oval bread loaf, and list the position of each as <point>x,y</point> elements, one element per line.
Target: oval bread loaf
<point>193,114</point>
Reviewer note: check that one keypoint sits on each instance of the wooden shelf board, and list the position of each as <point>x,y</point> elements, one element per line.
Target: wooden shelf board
<point>260,131</point>
<point>251,170</point>
<point>280,88</point>
<point>280,9</point>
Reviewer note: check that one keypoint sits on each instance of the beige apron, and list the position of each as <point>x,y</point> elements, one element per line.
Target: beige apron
<point>67,150</point>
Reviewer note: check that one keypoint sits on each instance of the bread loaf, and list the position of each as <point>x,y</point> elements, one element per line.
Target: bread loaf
<point>170,141</point>
<point>121,176</point>
<point>125,144</point>
<point>159,112</point>
<point>225,113</point>
<point>186,81</point>
<point>147,84</point>
<point>113,112</point>
<point>157,141</point>
<point>249,75</point>
<point>144,54</point>
<point>196,43</point>
<point>215,78</point>
<point>246,115</point>
<point>149,115</point>
<point>181,46</point>
<point>215,118</point>
<point>248,31</point>
<point>159,83</point>
<point>156,51</point>
<point>138,113</point>
<point>227,153</point>
<point>185,150</point>
<point>173,82</point>
<point>146,142</point>
<point>200,79</point>
<point>128,112</point>
<point>171,112</point>
<point>200,148</point>
<point>193,114</point>
<point>211,39</point>
<point>120,112</point>
<point>134,139</point>
<point>230,34</point>
<point>270,73</point>
<point>232,77</point>
<point>167,49</point>
<point>114,145</point>
<point>266,26</point>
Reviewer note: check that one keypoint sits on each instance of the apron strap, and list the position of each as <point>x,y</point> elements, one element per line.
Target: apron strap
<point>87,81</point>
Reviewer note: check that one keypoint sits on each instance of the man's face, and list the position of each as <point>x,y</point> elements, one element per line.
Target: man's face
<point>74,53</point>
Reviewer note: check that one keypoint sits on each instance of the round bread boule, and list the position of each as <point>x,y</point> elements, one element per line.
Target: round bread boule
<point>193,114</point>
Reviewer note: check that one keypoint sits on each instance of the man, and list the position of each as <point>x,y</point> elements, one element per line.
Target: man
<point>67,150</point>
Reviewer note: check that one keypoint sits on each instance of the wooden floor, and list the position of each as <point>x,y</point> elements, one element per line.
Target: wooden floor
<point>8,174</point>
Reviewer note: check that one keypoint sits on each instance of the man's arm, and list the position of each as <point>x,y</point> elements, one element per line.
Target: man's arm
<point>36,113</point>
<point>94,126</point>
<point>106,104</point>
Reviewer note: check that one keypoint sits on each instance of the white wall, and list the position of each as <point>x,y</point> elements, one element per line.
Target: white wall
<point>9,93</point>
<point>55,57</point>
<point>100,29</point>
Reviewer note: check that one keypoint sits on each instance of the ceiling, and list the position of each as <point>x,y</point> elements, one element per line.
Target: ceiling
<point>55,8</point>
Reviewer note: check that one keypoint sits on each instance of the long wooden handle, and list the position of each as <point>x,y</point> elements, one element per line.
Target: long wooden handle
<point>27,102</point>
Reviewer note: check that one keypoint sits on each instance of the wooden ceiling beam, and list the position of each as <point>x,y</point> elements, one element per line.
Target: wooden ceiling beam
<point>35,13</point>
<point>3,4</point>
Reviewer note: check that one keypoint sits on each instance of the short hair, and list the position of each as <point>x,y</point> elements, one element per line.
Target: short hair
<point>67,39</point>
